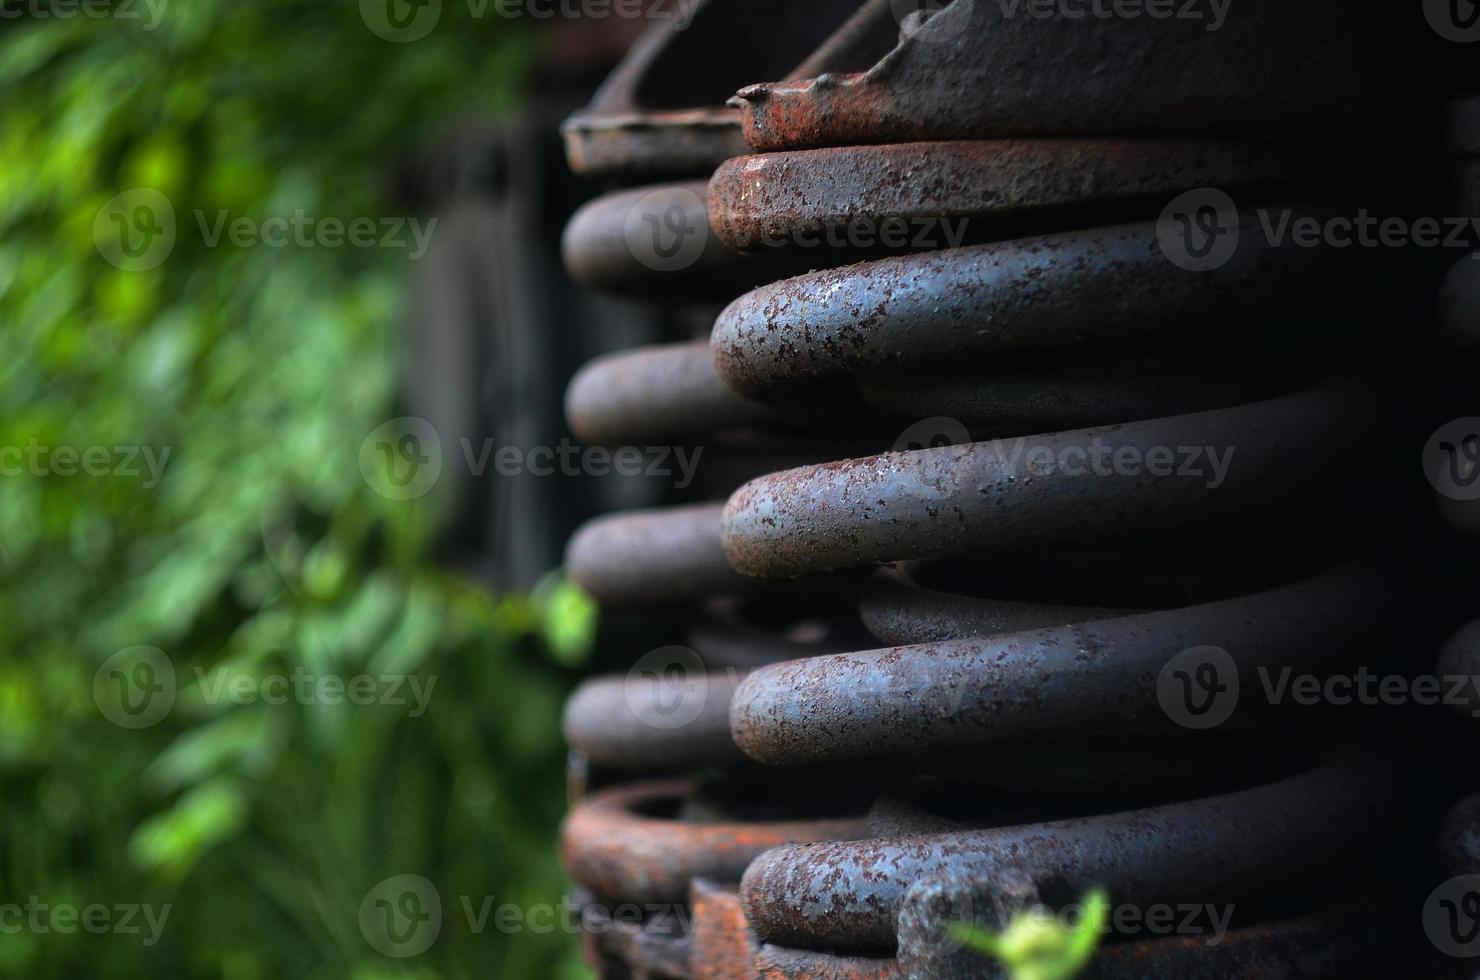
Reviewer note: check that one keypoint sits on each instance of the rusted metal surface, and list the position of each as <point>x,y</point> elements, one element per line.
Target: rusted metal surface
<point>1068,681</point>
<point>656,240</point>
<point>1014,745</point>
<point>989,70</point>
<point>670,555</point>
<point>1068,291</point>
<point>724,946</point>
<point>732,459</point>
<point>675,142</point>
<point>662,112</point>
<point>779,963</point>
<point>1229,848</point>
<point>991,497</point>
<point>658,393</point>
<point>629,844</point>
<point>792,196</point>
<point>656,948</point>
<point>627,722</point>
<point>653,556</point>
<point>666,394</point>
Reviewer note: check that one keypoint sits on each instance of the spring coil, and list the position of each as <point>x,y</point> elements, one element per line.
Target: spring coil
<point>1045,565</point>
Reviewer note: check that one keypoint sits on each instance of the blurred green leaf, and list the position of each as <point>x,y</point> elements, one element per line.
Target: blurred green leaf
<point>231,388</point>
<point>1037,946</point>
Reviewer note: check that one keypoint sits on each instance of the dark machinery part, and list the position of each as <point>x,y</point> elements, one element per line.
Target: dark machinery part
<point>1035,543</point>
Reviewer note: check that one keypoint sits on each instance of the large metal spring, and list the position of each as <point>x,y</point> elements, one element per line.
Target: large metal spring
<point>987,394</point>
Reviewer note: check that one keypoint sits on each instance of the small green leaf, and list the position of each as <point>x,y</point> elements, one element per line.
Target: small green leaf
<point>1037,946</point>
<point>568,620</point>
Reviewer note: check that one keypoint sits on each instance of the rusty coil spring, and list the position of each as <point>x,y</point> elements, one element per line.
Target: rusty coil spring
<point>1032,628</point>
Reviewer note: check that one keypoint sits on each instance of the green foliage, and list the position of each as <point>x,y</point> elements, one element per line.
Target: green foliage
<point>256,547</point>
<point>1036,946</point>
